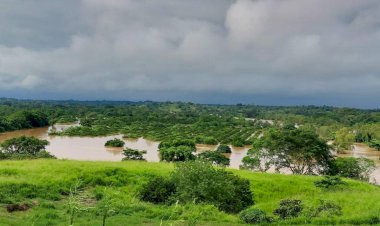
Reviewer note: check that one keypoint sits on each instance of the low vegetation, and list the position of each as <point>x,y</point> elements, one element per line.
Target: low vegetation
<point>114,191</point>
<point>115,143</point>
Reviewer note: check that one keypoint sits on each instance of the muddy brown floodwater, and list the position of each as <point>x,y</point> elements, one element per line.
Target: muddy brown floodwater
<point>92,148</point>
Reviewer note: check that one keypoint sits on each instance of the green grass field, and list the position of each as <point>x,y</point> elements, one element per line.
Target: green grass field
<point>44,184</point>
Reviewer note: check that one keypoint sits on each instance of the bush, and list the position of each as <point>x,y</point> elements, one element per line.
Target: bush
<point>177,143</point>
<point>177,154</point>
<point>223,148</point>
<point>325,208</point>
<point>132,154</point>
<point>329,209</point>
<point>200,182</point>
<point>356,168</point>
<point>289,208</point>
<point>157,190</point>
<point>115,143</point>
<point>215,158</point>
<point>329,182</point>
<point>255,216</point>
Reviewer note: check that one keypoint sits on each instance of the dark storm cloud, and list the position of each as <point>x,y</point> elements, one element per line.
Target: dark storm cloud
<point>263,51</point>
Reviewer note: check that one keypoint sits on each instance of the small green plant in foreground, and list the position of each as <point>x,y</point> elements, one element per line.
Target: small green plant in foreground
<point>255,216</point>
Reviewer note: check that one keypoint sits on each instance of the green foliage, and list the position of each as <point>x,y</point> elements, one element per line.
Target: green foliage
<point>200,182</point>
<point>23,145</point>
<point>258,160</point>
<point>106,177</point>
<point>157,190</point>
<point>329,209</point>
<point>24,148</point>
<point>255,216</point>
<point>375,144</point>
<point>300,151</point>
<point>344,138</point>
<point>177,154</point>
<point>289,208</point>
<point>215,158</point>
<point>356,168</point>
<point>329,182</point>
<point>48,182</point>
<point>106,206</point>
<point>223,148</point>
<point>177,143</point>
<point>132,154</point>
<point>23,119</point>
<point>115,143</point>
<point>206,140</point>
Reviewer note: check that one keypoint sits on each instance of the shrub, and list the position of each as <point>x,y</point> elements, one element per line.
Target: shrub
<point>177,143</point>
<point>177,154</point>
<point>115,143</point>
<point>289,208</point>
<point>157,190</point>
<point>200,182</point>
<point>325,208</point>
<point>132,154</point>
<point>215,158</point>
<point>356,168</point>
<point>223,148</point>
<point>255,216</point>
<point>329,209</point>
<point>329,182</point>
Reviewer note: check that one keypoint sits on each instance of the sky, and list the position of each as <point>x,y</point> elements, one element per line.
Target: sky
<point>271,52</point>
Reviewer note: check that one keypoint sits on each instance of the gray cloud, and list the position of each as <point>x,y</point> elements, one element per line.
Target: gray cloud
<point>263,51</point>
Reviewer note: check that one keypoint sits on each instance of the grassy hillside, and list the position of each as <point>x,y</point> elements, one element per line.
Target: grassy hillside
<point>45,185</point>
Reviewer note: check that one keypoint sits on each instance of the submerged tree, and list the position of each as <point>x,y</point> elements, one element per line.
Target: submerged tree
<point>132,154</point>
<point>177,154</point>
<point>356,168</point>
<point>215,158</point>
<point>23,145</point>
<point>257,160</point>
<point>301,151</point>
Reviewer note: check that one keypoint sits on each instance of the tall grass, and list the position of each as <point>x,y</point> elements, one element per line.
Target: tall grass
<point>47,183</point>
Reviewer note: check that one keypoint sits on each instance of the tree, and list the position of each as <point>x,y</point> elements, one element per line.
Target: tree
<point>375,144</point>
<point>23,145</point>
<point>301,151</point>
<point>356,168</point>
<point>215,158</point>
<point>257,160</point>
<point>175,154</point>
<point>132,154</point>
<point>115,143</point>
<point>344,138</point>
<point>223,148</point>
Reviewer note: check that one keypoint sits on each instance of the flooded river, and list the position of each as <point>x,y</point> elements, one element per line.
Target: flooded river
<point>92,148</point>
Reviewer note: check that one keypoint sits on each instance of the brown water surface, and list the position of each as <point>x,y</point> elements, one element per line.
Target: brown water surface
<point>92,148</point>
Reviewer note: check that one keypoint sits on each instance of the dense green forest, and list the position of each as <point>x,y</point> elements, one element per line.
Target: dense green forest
<point>208,124</point>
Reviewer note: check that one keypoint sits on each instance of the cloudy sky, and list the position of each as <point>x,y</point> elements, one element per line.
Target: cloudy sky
<point>273,52</point>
